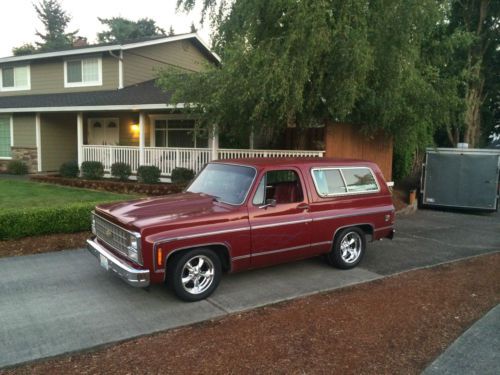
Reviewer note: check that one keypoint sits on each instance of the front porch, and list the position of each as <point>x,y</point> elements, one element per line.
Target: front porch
<point>166,140</point>
<point>168,158</point>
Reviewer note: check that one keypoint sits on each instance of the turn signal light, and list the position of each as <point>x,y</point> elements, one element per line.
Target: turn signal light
<point>159,256</point>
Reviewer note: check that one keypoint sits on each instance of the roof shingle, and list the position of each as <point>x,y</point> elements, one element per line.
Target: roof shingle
<point>142,93</point>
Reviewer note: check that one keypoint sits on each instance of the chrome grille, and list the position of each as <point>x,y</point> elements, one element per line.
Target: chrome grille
<point>112,234</point>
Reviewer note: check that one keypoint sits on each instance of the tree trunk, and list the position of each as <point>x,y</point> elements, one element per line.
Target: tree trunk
<point>474,93</point>
<point>473,115</point>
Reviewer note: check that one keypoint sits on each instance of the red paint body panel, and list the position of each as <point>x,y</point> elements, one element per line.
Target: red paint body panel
<point>249,236</point>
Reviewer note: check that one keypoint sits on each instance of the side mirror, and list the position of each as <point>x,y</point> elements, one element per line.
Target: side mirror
<point>269,203</point>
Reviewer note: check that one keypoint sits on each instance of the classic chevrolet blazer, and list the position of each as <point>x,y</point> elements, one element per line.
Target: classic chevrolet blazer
<point>245,213</point>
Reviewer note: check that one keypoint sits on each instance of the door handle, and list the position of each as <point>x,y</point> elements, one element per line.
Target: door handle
<point>303,206</point>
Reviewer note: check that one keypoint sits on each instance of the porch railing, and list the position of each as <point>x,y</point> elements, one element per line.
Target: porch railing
<point>227,153</point>
<point>169,158</point>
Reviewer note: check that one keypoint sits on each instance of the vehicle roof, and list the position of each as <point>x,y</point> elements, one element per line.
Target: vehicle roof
<point>297,161</point>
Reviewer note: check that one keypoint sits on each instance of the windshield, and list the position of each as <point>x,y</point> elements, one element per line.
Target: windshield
<point>228,183</point>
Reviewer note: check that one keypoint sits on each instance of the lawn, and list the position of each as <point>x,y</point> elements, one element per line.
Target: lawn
<point>32,209</point>
<point>26,194</point>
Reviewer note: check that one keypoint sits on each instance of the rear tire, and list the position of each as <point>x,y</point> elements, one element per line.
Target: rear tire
<point>348,248</point>
<point>195,274</point>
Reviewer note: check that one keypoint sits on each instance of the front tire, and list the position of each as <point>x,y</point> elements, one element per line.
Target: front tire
<point>195,274</point>
<point>348,248</point>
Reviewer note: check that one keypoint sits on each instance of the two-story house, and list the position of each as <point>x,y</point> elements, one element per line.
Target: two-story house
<point>100,103</point>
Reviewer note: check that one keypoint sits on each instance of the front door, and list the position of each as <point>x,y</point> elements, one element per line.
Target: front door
<point>279,219</point>
<point>103,131</point>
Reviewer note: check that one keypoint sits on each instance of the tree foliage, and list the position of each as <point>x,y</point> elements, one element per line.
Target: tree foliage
<point>373,64</point>
<point>55,21</point>
<point>121,29</point>
<point>25,49</point>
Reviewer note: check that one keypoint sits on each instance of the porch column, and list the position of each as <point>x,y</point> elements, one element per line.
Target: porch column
<point>251,140</point>
<point>38,134</point>
<point>142,137</point>
<point>79,127</point>
<point>213,143</point>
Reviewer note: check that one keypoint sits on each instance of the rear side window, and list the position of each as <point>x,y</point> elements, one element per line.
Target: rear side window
<point>341,181</point>
<point>359,180</point>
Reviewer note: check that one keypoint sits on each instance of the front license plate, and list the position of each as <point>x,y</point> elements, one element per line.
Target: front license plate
<point>104,262</point>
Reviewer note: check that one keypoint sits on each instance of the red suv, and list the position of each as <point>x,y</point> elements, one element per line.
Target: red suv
<point>245,213</point>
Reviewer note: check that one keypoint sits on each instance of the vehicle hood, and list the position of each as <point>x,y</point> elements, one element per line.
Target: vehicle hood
<point>149,212</point>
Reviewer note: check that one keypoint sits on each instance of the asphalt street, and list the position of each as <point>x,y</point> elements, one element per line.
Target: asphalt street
<point>56,303</point>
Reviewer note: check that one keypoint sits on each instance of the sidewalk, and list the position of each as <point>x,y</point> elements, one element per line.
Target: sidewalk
<point>476,351</point>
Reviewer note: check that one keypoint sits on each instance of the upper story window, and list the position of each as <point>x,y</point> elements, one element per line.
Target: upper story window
<point>83,72</point>
<point>15,78</point>
<point>345,180</point>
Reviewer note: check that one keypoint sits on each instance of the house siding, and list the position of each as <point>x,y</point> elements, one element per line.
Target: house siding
<point>58,140</point>
<point>24,131</point>
<point>47,77</point>
<point>141,64</point>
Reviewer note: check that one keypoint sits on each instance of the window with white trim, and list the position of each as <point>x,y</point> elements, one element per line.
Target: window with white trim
<point>83,72</point>
<point>178,133</point>
<point>15,78</point>
<point>5,137</point>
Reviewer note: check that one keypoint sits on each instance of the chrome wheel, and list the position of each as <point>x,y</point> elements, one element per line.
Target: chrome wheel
<point>197,274</point>
<point>350,247</point>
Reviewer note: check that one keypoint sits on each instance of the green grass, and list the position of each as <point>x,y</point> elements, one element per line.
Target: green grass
<point>32,209</point>
<point>15,194</point>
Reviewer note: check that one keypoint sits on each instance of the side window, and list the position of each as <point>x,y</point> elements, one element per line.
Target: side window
<point>283,186</point>
<point>359,179</point>
<point>329,181</point>
<point>337,181</point>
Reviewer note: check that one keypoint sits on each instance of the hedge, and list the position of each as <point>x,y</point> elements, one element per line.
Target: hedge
<point>182,175</point>
<point>17,167</point>
<point>18,223</point>
<point>93,170</point>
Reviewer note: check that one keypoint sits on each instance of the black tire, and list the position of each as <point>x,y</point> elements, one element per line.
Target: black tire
<point>178,268</point>
<point>335,258</point>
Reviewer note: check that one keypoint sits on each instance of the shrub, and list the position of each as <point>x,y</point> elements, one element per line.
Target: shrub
<point>182,175</point>
<point>148,174</point>
<point>69,169</point>
<point>18,223</point>
<point>121,171</point>
<point>92,170</point>
<point>17,167</point>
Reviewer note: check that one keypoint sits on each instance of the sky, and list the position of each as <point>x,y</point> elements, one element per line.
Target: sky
<point>19,20</point>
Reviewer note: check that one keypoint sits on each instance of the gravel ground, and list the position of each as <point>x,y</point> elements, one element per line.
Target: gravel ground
<point>394,325</point>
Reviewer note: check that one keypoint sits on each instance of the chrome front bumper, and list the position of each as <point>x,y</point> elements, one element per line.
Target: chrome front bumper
<point>134,277</point>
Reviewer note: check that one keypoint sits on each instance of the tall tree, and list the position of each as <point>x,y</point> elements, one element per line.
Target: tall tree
<point>171,31</point>
<point>475,64</point>
<point>121,29</point>
<point>55,21</point>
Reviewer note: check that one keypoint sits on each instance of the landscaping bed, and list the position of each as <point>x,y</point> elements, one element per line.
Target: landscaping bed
<point>399,324</point>
<point>43,244</point>
<point>127,187</point>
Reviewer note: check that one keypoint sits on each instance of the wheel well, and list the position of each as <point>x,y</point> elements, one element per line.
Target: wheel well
<point>366,228</point>
<point>219,249</point>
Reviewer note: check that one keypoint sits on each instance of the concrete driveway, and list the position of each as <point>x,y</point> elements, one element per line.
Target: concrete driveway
<point>62,302</point>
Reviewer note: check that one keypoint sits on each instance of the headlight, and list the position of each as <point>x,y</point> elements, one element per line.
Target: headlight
<point>133,248</point>
<point>134,243</point>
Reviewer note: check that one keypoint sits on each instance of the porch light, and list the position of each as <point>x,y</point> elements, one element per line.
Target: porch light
<point>134,128</point>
